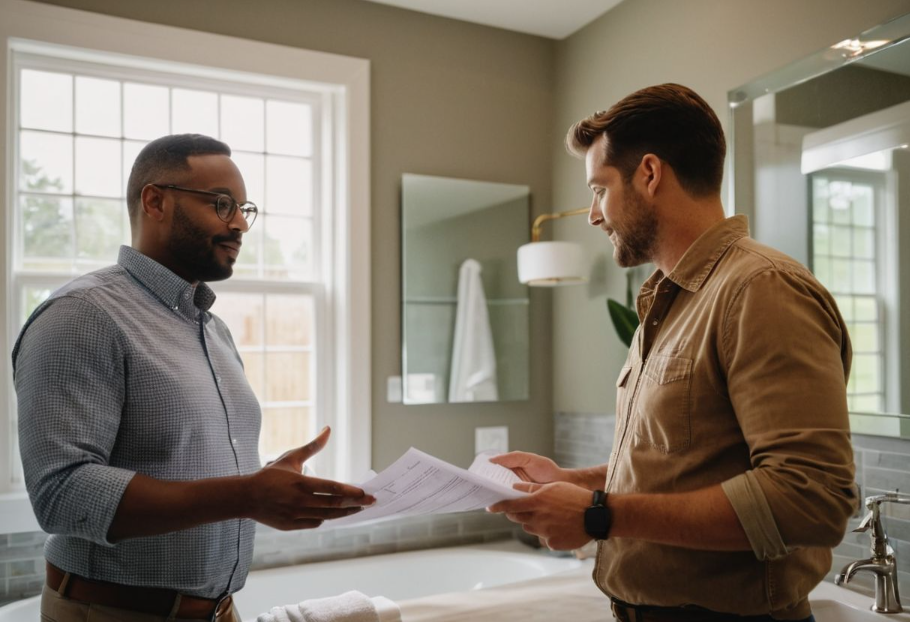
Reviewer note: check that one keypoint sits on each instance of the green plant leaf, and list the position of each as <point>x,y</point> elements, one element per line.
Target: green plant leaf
<point>625,320</point>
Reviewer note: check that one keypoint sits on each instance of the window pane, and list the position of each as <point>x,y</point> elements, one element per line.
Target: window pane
<point>98,166</point>
<point>287,376</point>
<point>845,304</point>
<point>284,429</point>
<point>46,102</point>
<point>289,320</point>
<point>99,229</point>
<point>865,338</point>
<point>289,127</point>
<point>97,106</point>
<point>254,368</point>
<point>841,242</point>
<point>195,112</point>
<point>32,296</point>
<point>866,374</point>
<point>47,229</point>
<point>287,247</point>
<point>821,239</point>
<point>243,315</point>
<point>252,168</point>
<point>821,266</point>
<point>866,309</point>
<point>248,261</point>
<point>146,111</point>
<point>289,186</point>
<point>841,275</point>
<point>242,123</point>
<point>864,243</point>
<point>46,162</point>
<point>863,198</point>
<point>820,209</point>
<point>131,149</point>
<point>864,277</point>
<point>867,404</point>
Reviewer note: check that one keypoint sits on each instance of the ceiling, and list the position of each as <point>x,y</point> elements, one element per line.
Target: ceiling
<point>555,19</point>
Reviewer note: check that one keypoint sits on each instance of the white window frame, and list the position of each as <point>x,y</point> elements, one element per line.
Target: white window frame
<point>346,298</point>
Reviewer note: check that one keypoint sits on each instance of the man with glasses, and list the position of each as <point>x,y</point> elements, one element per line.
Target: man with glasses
<point>138,430</point>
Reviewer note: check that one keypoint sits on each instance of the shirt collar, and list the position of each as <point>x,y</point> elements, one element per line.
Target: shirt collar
<point>698,261</point>
<point>176,293</point>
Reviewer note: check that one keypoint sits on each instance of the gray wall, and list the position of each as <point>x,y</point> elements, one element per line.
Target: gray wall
<point>448,98</point>
<point>712,46</point>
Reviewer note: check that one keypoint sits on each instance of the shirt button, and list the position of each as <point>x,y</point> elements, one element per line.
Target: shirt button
<point>654,323</point>
<point>218,379</point>
<point>233,441</point>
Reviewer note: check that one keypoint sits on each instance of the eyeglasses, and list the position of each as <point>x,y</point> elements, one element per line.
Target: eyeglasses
<point>225,205</point>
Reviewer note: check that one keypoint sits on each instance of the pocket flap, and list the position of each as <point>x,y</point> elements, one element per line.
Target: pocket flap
<point>623,376</point>
<point>667,369</point>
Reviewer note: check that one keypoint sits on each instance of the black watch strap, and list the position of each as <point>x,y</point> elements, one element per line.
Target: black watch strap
<point>598,517</point>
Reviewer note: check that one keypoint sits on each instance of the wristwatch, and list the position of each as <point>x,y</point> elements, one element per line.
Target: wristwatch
<point>597,517</point>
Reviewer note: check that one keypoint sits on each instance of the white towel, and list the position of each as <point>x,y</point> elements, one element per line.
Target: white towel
<point>351,606</point>
<point>473,376</point>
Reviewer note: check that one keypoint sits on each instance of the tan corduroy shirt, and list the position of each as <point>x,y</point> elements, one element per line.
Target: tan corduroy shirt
<point>737,376</point>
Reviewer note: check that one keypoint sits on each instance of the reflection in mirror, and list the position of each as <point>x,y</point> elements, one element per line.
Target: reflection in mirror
<point>465,330</point>
<point>821,166</point>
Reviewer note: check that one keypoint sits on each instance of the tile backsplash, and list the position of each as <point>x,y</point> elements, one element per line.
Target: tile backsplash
<point>22,561</point>
<point>882,465</point>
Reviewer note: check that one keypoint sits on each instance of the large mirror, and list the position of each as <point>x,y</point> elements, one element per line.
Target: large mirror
<point>465,331</point>
<point>821,166</point>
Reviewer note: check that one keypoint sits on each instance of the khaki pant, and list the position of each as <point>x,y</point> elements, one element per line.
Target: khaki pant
<point>56,608</point>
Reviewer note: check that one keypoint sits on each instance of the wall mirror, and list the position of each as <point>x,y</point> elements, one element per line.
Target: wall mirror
<point>465,330</point>
<point>821,166</point>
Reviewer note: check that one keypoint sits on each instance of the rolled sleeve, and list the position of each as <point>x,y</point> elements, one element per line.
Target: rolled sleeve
<point>787,359</point>
<point>69,377</point>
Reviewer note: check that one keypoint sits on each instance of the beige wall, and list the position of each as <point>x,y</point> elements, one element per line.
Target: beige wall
<point>712,46</point>
<point>448,98</point>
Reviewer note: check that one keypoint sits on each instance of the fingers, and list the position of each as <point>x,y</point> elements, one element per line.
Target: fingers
<point>335,489</point>
<point>527,486</point>
<point>296,457</point>
<point>524,504</point>
<point>513,459</point>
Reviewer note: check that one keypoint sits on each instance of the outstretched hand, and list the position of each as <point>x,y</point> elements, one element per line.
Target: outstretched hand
<point>531,467</point>
<point>283,498</point>
<point>554,512</point>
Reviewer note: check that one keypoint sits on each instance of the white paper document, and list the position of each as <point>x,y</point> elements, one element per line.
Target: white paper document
<point>418,483</point>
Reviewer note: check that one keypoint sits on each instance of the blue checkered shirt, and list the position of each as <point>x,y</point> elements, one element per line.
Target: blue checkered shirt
<point>124,371</point>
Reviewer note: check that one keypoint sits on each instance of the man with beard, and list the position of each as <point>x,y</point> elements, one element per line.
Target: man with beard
<point>731,474</point>
<point>138,430</point>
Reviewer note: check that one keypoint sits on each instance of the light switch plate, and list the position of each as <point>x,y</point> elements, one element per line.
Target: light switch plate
<point>393,390</point>
<point>495,438</point>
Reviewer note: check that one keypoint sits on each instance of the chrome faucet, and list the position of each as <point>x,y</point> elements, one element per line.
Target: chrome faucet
<point>882,563</point>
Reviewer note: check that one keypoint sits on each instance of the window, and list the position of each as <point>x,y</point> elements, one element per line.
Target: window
<point>85,101</point>
<point>848,217</point>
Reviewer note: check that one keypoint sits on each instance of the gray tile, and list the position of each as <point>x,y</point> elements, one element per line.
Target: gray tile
<point>897,528</point>
<point>884,479</point>
<point>4,570</point>
<point>27,568</point>
<point>32,551</point>
<point>445,528</point>
<point>383,534</point>
<point>888,460</point>
<point>413,531</point>
<point>4,540</point>
<point>25,587</point>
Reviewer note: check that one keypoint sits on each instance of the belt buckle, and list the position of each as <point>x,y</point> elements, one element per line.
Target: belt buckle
<point>217,610</point>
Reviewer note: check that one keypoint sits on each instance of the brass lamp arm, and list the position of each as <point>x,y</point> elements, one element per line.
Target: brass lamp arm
<point>535,228</point>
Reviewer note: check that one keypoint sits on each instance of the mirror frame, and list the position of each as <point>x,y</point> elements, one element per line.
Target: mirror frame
<point>870,42</point>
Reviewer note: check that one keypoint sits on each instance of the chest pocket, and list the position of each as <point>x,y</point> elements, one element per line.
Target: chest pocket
<point>663,406</point>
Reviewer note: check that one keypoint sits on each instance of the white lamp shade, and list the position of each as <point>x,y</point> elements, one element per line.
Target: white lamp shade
<point>547,264</point>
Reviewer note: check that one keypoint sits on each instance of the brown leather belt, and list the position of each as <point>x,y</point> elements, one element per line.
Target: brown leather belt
<point>624,612</point>
<point>151,600</point>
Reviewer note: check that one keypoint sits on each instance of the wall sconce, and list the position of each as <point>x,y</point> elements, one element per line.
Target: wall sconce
<point>548,264</point>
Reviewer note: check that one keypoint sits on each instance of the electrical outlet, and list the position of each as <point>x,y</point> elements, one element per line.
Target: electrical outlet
<point>495,438</point>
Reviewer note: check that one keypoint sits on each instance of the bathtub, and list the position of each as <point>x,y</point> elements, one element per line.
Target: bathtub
<point>398,576</point>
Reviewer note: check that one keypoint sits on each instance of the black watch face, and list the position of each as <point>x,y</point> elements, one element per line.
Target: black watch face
<point>597,522</point>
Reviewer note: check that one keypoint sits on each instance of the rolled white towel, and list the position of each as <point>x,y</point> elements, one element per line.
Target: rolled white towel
<point>351,606</point>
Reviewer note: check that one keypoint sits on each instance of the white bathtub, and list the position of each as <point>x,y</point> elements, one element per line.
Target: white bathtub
<point>399,576</point>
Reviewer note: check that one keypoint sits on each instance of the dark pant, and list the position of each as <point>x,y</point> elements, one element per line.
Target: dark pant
<point>625,612</point>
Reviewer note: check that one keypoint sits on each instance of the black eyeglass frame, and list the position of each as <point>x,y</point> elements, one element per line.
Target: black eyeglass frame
<point>245,209</point>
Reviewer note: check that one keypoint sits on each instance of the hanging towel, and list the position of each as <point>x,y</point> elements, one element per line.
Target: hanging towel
<point>473,376</point>
<point>351,606</point>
